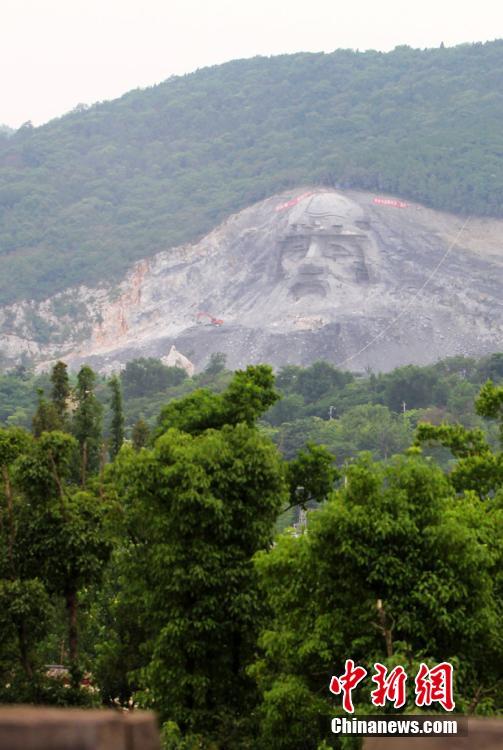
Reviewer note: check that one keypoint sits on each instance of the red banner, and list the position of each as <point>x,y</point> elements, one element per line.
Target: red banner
<point>391,202</point>
<point>293,202</point>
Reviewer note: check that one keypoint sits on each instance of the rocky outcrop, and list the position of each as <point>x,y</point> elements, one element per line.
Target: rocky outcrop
<point>176,359</point>
<point>356,279</point>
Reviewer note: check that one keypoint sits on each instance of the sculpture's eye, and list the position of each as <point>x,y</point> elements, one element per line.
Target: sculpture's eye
<point>295,250</point>
<point>337,252</point>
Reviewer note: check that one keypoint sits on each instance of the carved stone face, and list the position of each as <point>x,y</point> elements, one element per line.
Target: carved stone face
<point>327,245</point>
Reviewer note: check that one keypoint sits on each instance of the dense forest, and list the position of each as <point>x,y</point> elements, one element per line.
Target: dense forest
<point>150,560</point>
<point>348,412</point>
<point>84,196</point>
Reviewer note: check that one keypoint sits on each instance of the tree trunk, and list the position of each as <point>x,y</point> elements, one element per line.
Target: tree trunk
<point>103,456</point>
<point>10,512</point>
<point>59,485</point>
<point>475,701</point>
<point>73,635</point>
<point>84,464</point>
<point>386,631</point>
<point>23,650</point>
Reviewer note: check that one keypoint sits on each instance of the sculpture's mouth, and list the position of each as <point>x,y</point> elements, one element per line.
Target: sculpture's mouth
<point>307,288</point>
<point>310,269</point>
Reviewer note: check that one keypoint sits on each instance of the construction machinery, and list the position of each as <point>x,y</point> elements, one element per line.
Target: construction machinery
<point>203,317</point>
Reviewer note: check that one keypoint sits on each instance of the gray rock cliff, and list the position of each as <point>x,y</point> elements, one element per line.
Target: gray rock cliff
<point>357,279</point>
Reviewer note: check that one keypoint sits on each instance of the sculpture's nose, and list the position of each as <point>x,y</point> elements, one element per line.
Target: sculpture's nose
<point>311,264</point>
<point>310,269</point>
<point>313,250</point>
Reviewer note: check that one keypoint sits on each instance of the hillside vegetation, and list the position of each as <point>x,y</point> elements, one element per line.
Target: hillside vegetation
<point>320,404</point>
<point>85,195</point>
<point>161,570</point>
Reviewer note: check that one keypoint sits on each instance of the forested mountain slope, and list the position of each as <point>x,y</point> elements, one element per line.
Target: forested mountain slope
<point>85,195</point>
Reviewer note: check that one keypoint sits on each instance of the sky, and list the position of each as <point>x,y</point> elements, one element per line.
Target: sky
<point>56,54</point>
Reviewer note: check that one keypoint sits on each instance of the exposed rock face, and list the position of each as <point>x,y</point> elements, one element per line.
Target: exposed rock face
<point>298,277</point>
<point>176,359</point>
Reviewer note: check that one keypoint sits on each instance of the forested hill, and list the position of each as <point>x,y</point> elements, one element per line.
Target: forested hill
<point>83,196</point>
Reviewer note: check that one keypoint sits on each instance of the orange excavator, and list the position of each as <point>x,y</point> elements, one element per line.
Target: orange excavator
<point>201,316</point>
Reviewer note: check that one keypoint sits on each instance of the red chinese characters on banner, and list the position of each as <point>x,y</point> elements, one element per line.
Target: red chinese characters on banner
<point>432,685</point>
<point>346,683</point>
<point>435,686</point>
<point>293,201</point>
<point>389,687</point>
<point>390,202</point>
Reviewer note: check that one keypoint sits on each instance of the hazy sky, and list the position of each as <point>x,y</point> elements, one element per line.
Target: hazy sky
<point>55,54</point>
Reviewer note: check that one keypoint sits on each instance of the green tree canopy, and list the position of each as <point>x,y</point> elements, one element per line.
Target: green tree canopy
<point>394,568</point>
<point>87,421</point>
<point>199,504</point>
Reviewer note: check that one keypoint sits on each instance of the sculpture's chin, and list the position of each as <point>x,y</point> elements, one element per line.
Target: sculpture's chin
<point>308,289</point>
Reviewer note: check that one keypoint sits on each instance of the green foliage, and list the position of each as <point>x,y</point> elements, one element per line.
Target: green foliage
<point>68,547</point>
<point>12,443</point>
<point>117,422</point>
<point>454,384</point>
<point>393,568</point>
<point>461,442</point>
<point>292,716</point>
<point>376,429</point>
<point>477,468</point>
<point>24,608</point>
<point>197,412</point>
<point>491,367</point>
<point>54,543</point>
<point>46,417</point>
<point>249,394</point>
<point>18,396</point>
<point>287,409</point>
<point>117,633</point>
<point>315,381</point>
<point>146,376</point>
<point>84,196</point>
<point>139,434</point>
<point>199,504</point>
<point>311,475</point>
<point>216,363</point>
<point>490,404</point>
<point>60,389</point>
<point>87,421</point>
<point>167,576</point>
<point>362,428</point>
<point>414,386</point>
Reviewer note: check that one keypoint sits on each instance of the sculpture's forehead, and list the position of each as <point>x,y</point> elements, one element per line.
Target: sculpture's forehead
<point>325,206</point>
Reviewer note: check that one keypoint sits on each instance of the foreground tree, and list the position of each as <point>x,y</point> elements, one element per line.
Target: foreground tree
<point>489,404</point>
<point>87,422</point>
<point>140,433</point>
<point>117,423</point>
<point>199,504</point>
<point>61,529</point>
<point>23,599</point>
<point>478,467</point>
<point>53,414</point>
<point>395,568</point>
<point>46,417</point>
<point>54,544</point>
<point>60,390</point>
